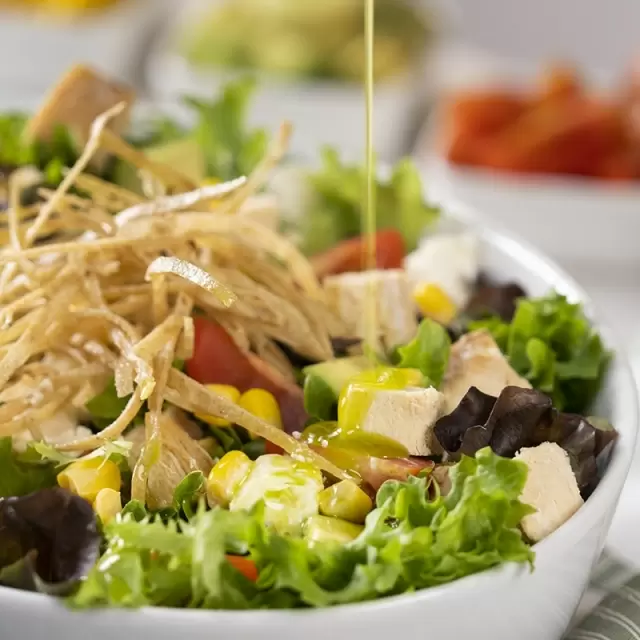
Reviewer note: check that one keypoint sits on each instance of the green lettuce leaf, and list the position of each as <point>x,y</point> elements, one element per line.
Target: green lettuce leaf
<point>20,476</point>
<point>428,352</point>
<point>107,406</point>
<point>230,149</point>
<point>415,538</point>
<point>551,343</point>
<point>337,203</point>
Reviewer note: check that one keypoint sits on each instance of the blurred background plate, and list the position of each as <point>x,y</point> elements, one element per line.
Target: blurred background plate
<point>35,50</point>
<point>577,221</point>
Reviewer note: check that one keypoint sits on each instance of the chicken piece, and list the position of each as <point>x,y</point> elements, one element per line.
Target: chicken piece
<point>347,296</point>
<point>551,488</point>
<point>476,361</point>
<point>406,416</point>
<point>76,101</point>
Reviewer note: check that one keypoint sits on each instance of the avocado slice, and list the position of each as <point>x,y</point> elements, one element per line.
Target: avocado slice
<point>324,529</point>
<point>324,382</point>
<point>184,154</point>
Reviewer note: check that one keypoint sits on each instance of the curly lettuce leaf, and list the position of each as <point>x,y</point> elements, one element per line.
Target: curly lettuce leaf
<point>337,203</point>
<point>551,343</point>
<point>415,538</point>
<point>428,352</point>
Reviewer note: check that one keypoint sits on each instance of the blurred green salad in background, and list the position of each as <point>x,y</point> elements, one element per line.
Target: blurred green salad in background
<point>307,40</point>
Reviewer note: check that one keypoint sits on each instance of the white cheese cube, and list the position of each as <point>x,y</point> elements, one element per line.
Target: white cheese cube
<point>551,488</point>
<point>347,294</point>
<point>406,416</point>
<point>449,260</point>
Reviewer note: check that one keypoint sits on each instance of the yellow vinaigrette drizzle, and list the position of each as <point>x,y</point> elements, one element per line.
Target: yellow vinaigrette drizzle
<point>369,218</point>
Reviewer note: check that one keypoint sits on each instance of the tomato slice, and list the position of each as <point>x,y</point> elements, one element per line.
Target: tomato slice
<point>217,359</point>
<point>271,448</point>
<point>348,256</point>
<point>245,566</point>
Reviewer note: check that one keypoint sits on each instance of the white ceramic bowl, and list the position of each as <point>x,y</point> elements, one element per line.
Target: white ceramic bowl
<point>506,603</point>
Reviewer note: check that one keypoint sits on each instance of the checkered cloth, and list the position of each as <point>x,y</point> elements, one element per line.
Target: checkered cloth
<point>610,609</point>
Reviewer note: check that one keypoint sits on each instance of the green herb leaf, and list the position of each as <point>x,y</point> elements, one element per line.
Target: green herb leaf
<point>229,149</point>
<point>188,492</point>
<point>428,352</point>
<point>107,405</point>
<point>18,478</point>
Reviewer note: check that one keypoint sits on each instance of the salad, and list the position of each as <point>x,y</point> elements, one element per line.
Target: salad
<point>306,41</point>
<point>189,416</point>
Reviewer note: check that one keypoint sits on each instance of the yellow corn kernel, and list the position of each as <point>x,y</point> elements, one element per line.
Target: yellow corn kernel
<point>86,478</point>
<point>262,404</point>
<point>107,505</point>
<point>225,390</point>
<point>434,303</point>
<point>226,477</point>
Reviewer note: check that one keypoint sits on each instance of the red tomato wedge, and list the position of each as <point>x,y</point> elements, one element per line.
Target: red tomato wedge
<point>245,566</point>
<point>218,360</point>
<point>348,256</point>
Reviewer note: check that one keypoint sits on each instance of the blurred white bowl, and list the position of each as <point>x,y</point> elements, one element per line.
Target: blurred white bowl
<point>36,52</point>
<point>577,221</point>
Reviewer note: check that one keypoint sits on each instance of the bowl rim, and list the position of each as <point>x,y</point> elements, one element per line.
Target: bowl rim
<point>536,185</point>
<point>520,251</point>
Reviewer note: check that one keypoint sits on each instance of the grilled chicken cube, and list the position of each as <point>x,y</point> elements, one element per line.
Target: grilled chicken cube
<point>406,416</point>
<point>476,361</point>
<point>551,488</point>
<point>347,294</point>
<point>76,101</point>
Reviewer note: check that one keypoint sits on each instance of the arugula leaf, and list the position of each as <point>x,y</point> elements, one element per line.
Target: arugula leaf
<point>410,541</point>
<point>336,210</point>
<point>18,477</point>
<point>428,352</point>
<point>229,149</point>
<point>551,343</point>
